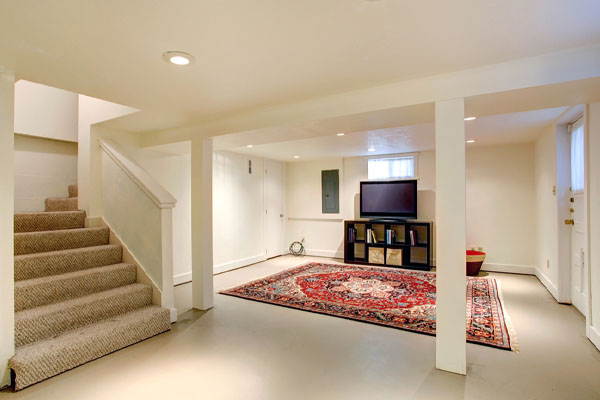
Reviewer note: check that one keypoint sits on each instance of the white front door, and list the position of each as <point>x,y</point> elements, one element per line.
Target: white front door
<point>578,256</point>
<point>579,267</point>
<point>273,208</point>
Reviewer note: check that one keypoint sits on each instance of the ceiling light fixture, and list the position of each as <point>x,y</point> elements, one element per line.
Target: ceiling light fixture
<point>249,146</point>
<point>471,140</point>
<point>470,118</point>
<point>340,134</point>
<point>178,57</point>
<point>296,156</point>
<point>371,149</point>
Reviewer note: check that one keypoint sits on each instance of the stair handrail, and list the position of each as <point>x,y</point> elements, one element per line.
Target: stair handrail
<point>139,175</point>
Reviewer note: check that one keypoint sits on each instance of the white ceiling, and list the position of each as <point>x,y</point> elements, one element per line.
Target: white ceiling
<point>258,53</point>
<point>490,130</point>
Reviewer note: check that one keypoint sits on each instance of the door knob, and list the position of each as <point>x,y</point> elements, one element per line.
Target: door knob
<point>569,222</point>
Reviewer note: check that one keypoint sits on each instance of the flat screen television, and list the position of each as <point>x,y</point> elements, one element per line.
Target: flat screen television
<point>388,199</point>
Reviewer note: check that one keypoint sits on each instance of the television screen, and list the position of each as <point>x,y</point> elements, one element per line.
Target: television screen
<point>394,199</point>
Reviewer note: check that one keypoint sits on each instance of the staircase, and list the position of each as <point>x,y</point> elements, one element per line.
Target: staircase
<point>75,300</point>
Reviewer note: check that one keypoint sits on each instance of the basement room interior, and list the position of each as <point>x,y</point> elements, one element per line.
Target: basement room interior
<point>359,199</point>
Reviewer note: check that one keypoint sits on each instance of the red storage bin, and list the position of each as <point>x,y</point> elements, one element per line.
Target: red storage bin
<point>474,261</point>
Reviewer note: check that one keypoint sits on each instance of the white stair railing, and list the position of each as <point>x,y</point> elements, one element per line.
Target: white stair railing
<point>139,212</point>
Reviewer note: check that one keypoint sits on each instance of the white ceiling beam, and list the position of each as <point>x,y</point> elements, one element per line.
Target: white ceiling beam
<point>564,66</point>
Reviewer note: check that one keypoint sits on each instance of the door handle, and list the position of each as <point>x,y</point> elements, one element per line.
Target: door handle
<point>569,222</point>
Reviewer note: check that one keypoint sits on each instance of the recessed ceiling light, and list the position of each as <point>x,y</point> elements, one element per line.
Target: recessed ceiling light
<point>296,156</point>
<point>471,140</point>
<point>470,118</point>
<point>340,134</point>
<point>249,146</point>
<point>371,149</point>
<point>178,57</point>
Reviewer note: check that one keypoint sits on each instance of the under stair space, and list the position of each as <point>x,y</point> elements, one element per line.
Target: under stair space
<point>75,299</point>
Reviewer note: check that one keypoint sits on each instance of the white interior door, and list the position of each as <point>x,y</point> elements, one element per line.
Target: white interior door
<point>273,208</point>
<point>579,273</point>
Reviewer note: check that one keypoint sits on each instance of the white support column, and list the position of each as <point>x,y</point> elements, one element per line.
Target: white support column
<point>168,293</point>
<point>202,225</point>
<point>450,216</point>
<point>7,273</point>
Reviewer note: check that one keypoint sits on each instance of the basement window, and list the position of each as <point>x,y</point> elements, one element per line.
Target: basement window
<point>401,167</point>
<point>577,157</point>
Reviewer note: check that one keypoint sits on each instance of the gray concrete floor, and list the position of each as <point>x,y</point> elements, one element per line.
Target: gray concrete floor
<point>248,350</point>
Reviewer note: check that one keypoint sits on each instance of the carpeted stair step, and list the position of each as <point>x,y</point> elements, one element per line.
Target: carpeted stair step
<point>42,360</point>
<point>53,289</point>
<point>49,221</point>
<point>52,320</point>
<point>61,204</point>
<point>41,242</point>
<point>73,190</point>
<point>38,265</point>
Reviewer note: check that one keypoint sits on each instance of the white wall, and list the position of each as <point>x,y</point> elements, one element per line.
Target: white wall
<point>173,172</point>
<point>547,209</point>
<point>238,207</point>
<point>305,219</point>
<point>497,177</point>
<point>43,168</point>
<point>139,224</point>
<point>593,117</point>
<point>45,111</point>
<point>501,205</point>
<point>7,272</point>
<point>92,111</point>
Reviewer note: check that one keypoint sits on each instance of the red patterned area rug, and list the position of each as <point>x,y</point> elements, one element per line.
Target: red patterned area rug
<point>386,296</point>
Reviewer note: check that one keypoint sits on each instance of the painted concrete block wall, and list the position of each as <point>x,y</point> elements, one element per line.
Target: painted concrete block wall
<point>501,195</point>
<point>238,208</point>
<point>501,205</point>
<point>45,111</point>
<point>305,218</point>
<point>43,168</point>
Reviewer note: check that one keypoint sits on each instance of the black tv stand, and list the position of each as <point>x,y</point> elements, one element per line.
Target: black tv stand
<point>390,243</point>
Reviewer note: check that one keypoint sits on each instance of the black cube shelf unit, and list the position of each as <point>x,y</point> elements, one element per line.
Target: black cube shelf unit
<point>402,244</point>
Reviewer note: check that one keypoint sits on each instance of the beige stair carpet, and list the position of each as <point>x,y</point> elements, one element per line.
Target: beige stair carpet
<point>49,221</point>
<point>73,189</point>
<point>37,265</point>
<point>61,204</point>
<point>59,288</point>
<point>44,359</point>
<point>41,242</point>
<point>75,300</point>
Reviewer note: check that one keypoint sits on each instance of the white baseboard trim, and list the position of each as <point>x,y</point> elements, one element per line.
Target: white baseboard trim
<point>546,282</point>
<point>325,253</point>
<point>217,269</point>
<point>509,268</point>
<point>594,336</point>
<point>182,278</point>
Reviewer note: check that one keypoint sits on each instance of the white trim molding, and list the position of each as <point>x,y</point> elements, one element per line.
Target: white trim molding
<point>238,263</point>
<point>325,253</point>
<point>594,336</point>
<point>547,283</point>
<point>143,179</point>
<point>509,268</point>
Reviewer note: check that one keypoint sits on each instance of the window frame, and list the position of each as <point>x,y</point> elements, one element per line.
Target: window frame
<point>414,156</point>
<point>578,123</point>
